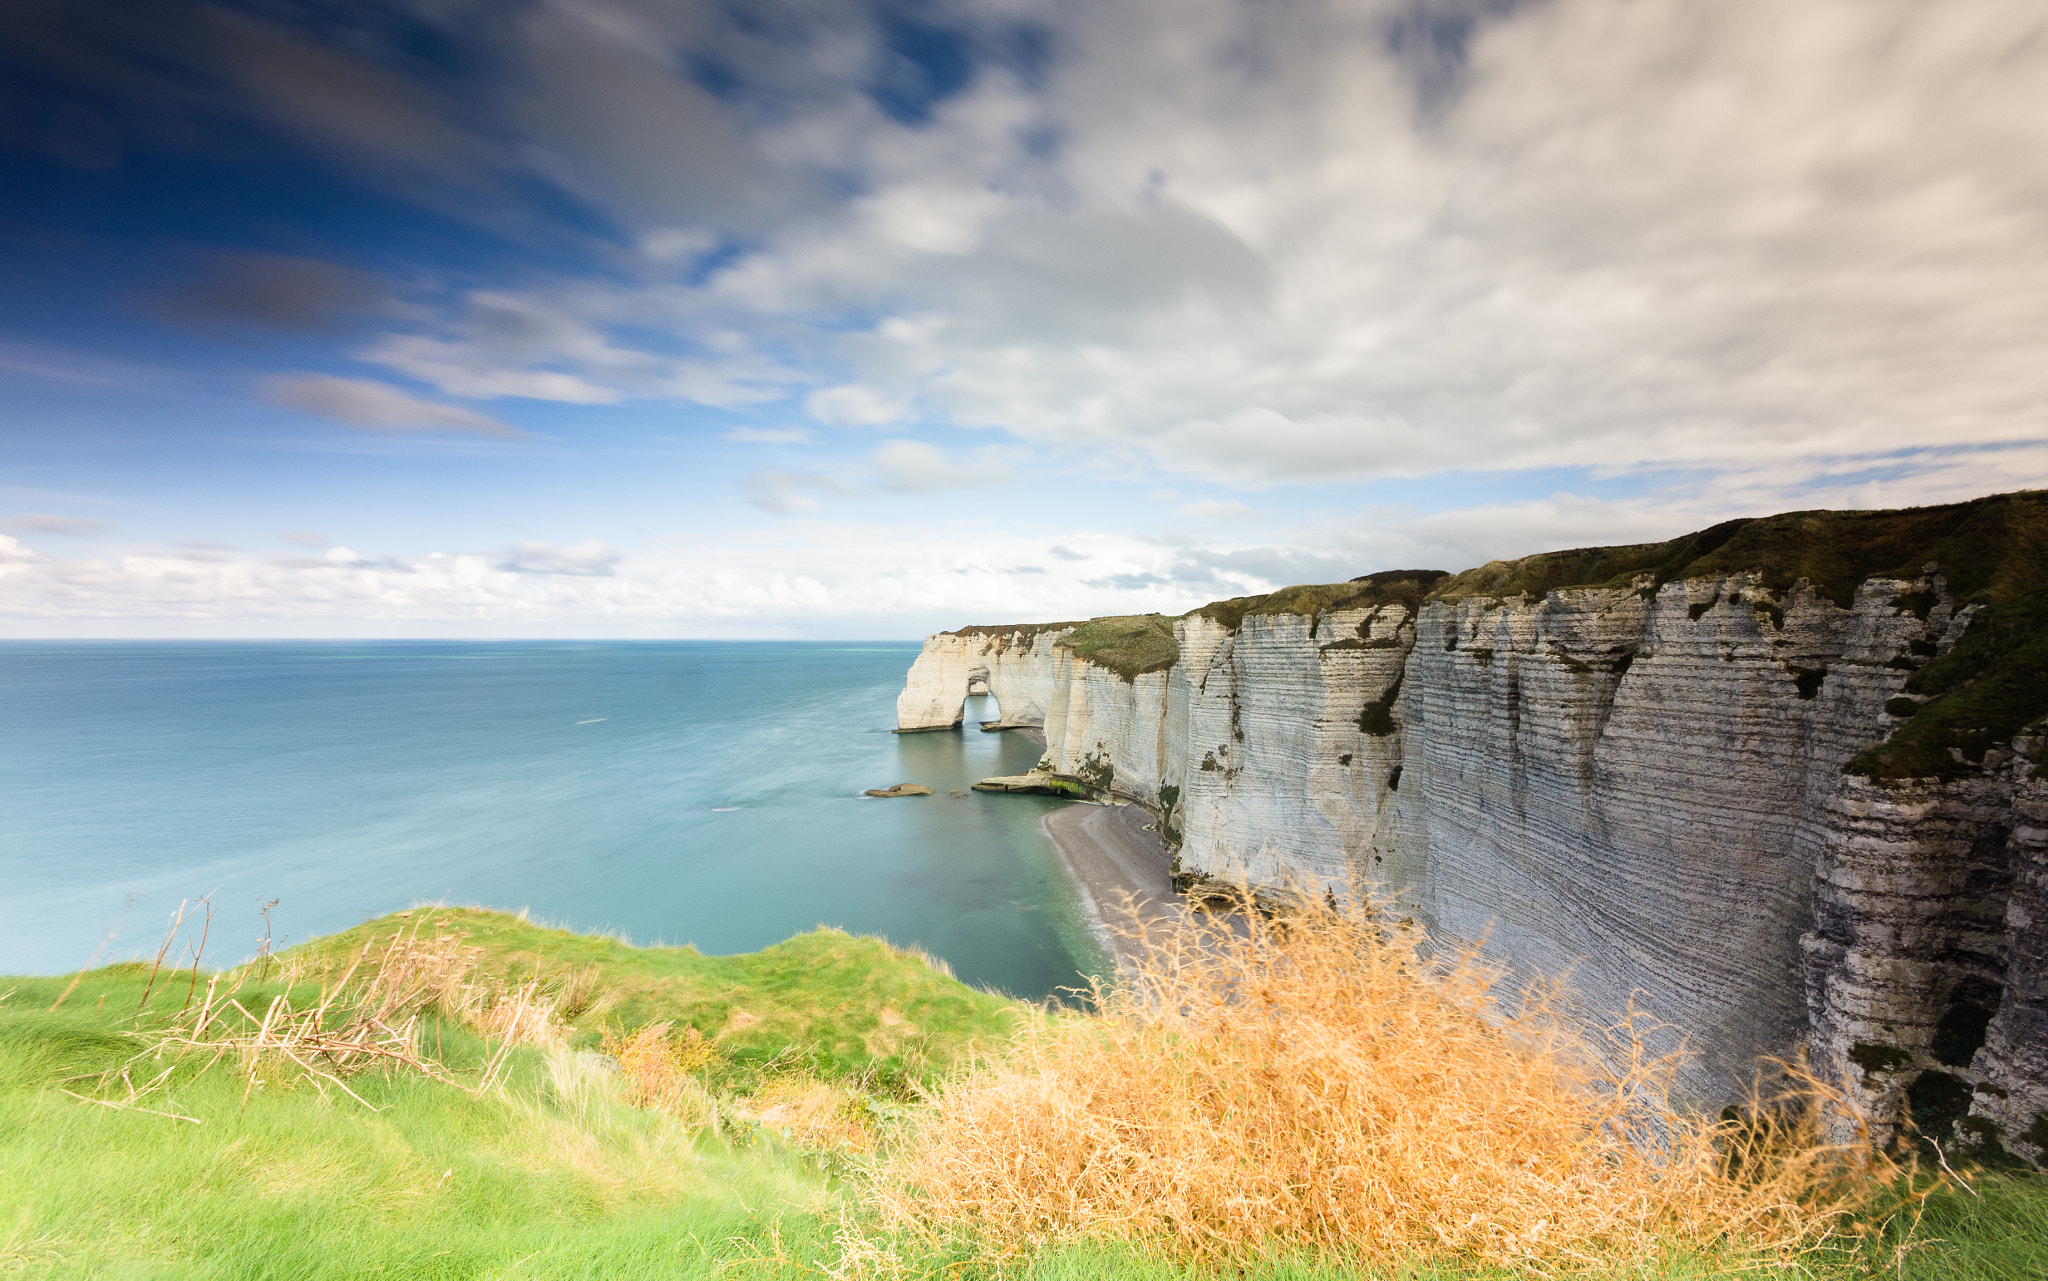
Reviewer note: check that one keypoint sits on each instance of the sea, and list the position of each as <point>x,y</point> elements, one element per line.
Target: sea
<point>698,792</point>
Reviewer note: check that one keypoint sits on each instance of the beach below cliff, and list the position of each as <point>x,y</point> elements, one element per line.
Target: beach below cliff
<point>1121,869</point>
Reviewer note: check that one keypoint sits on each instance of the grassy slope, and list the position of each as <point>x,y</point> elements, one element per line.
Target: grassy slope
<point>555,1177</point>
<point>826,1002</point>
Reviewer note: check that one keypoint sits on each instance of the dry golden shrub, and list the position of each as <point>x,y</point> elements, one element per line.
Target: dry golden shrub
<point>811,1114</point>
<point>659,1067</point>
<point>1315,1082</point>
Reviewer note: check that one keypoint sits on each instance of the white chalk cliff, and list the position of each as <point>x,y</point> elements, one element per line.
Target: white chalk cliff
<point>1653,782</point>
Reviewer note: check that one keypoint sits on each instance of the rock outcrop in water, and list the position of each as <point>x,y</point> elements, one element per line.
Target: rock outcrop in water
<point>1779,783</point>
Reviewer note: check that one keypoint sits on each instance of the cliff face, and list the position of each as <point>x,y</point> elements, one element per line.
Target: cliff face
<point>1668,782</point>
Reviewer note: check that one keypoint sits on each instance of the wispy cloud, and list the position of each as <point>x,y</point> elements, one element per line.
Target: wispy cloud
<point>588,558</point>
<point>914,467</point>
<point>42,523</point>
<point>378,407</point>
<point>770,435</point>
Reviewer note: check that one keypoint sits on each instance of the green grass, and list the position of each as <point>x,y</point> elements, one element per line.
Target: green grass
<point>1409,587</point>
<point>435,1183</point>
<point>1129,645</point>
<point>827,1002</point>
<point>556,1176</point>
<point>1979,694</point>
<point>1007,629</point>
<point>1989,549</point>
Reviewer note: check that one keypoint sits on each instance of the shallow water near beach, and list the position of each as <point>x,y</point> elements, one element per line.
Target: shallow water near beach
<point>676,792</point>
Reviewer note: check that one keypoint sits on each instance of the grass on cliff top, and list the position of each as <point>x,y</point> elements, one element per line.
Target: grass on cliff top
<point>569,1168</point>
<point>1408,587</point>
<point>1007,629</point>
<point>1129,645</point>
<point>1980,694</point>
<point>826,1002</point>
<point>1989,549</point>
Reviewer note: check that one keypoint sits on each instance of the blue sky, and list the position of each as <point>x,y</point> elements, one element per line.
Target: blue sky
<point>791,318</point>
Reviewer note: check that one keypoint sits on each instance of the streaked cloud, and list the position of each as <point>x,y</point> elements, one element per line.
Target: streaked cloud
<point>271,291</point>
<point>913,467</point>
<point>590,558</point>
<point>1219,509</point>
<point>793,493</point>
<point>378,407</point>
<point>770,435</point>
<point>43,523</point>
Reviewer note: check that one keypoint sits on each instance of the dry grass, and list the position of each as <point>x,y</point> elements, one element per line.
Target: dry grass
<point>1314,1083</point>
<point>369,1014</point>
<point>661,1067</point>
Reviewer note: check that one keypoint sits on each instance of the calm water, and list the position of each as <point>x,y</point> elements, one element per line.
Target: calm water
<point>695,792</point>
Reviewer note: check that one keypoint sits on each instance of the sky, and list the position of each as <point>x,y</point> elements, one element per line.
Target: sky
<point>867,318</point>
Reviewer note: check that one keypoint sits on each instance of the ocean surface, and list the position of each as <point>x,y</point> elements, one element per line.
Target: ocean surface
<point>675,792</point>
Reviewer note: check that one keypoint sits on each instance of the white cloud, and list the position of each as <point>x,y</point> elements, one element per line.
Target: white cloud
<point>1597,235</point>
<point>913,467</point>
<point>824,577</point>
<point>1219,510</point>
<point>588,558</point>
<point>43,523</point>
<point>770,435</point>
<point>788,493</point>
<point>853,405</point>
<point>378,407</point>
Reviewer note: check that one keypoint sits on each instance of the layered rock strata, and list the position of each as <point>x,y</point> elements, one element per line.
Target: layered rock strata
<point>1658,781</point>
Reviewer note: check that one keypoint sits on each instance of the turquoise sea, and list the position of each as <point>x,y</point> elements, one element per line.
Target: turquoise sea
<point>678,792</point>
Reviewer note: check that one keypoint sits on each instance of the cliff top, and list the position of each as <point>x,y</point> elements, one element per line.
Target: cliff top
<point>1408,587</point>
<point>1129,645</point>
<point>998,629</point>
<point>1989,549</point>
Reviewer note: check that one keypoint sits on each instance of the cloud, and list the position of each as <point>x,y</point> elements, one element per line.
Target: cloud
<point>788,493</point>
<point>1067,553</point>
<point>304,538</point>
<point>1297,244</point>
<point>913,467</point>
<point>770,435</point>
<point>270,291</point>
<point>61,365</point>
<point>588,558</point>
<point>346,105</point>
<point>377,407</point>
<point>1219,509</point>
<point>1365,241</point>
<point>40,523</point>
<point>853,405</point>
<point>820,577</point>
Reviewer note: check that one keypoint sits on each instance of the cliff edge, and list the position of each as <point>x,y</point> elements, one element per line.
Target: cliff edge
<point>1779,783</point>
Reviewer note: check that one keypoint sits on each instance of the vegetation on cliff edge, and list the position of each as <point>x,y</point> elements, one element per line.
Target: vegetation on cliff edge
<point>461,1094</point>
<point>1409,587</point>
<point>1980,694</point>
<point>1988,549</point>
<point>1129,645</point>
